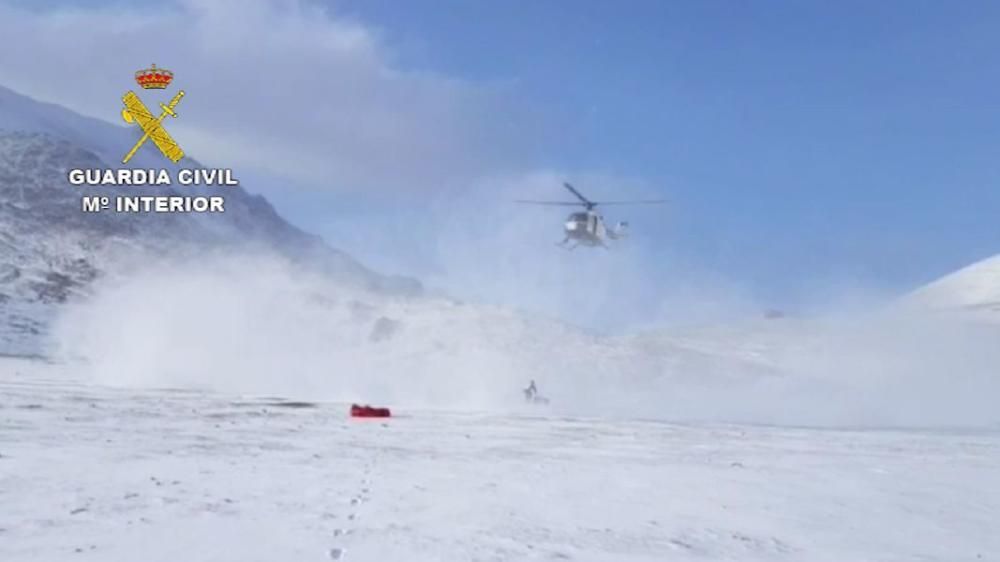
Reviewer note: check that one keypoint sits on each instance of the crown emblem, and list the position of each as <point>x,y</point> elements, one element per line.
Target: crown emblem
<point>153,78</point>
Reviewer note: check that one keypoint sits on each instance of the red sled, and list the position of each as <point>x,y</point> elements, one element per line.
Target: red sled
<point>369,412</point>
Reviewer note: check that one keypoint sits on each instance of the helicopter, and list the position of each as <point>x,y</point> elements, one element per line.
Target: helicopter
<point>587,227</point>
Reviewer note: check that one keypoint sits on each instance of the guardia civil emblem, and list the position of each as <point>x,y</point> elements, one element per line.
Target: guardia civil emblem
<point>135,111</point>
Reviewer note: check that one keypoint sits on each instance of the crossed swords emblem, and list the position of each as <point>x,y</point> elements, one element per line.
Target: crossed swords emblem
<point>152,127</point>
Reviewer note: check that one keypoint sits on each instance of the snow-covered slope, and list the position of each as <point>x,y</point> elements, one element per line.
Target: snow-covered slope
<point>148,436</point>
<point>258,326</point>
<point>50,251</point>
<point>104,474</point>
<point>973,288</point>
<point>23,114</point>
<point>246,302</point>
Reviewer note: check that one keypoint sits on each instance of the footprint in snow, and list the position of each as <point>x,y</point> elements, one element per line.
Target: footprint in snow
<point>336,553</point>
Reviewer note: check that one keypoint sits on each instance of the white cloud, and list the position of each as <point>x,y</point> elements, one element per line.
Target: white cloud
<point>281,86</point>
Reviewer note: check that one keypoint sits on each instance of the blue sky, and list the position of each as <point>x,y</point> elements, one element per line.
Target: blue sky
<point>829,142</point>
<point>808,149</point>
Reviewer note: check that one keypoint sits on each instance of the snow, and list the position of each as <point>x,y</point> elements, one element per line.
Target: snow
<point>51,252</point>
<point>146,433</point>
<point>242,325</point>
<point>975,287</point>
<point>89,472</point>
<point>23,114</point>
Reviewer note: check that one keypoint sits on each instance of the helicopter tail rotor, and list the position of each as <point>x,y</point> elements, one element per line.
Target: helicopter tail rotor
<point>619,231</point>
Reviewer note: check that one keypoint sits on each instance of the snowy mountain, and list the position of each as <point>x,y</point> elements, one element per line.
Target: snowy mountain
<point>245,302</point>
<point>975,288</point>
<point>50,251</point>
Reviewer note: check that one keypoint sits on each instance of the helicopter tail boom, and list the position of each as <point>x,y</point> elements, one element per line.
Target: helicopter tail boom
<point>619,231</point>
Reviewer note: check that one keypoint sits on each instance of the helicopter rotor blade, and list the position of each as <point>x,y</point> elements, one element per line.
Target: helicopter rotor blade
<point>637,202</point>
<point>554,203</point>
<point>587,202</point>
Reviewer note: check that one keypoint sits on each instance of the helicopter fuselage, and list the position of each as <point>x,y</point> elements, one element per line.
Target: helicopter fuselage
<point>588,228</point>
<point>585,228</point>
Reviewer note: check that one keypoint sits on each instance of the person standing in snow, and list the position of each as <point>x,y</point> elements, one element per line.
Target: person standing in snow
<point>530,392</point>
